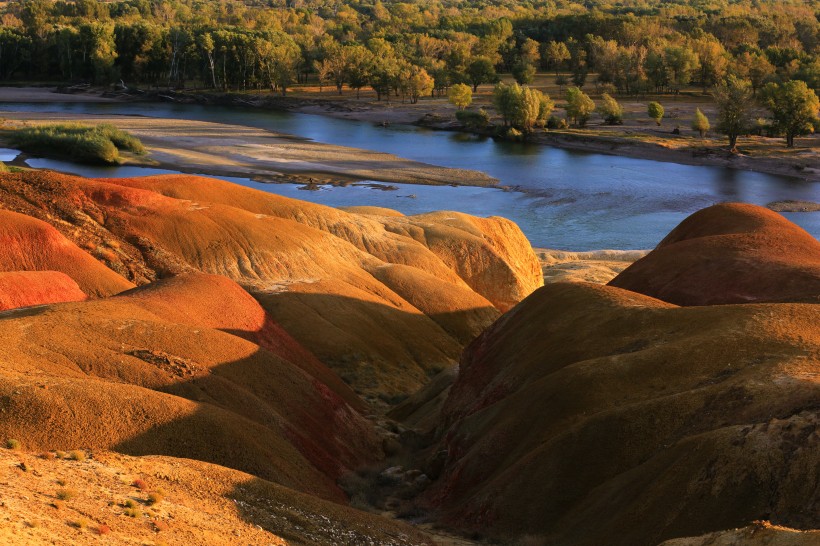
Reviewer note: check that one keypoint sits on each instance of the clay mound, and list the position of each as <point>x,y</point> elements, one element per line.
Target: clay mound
<point>155,371</point>
<point>730,253</point>
<point>385,301</point>
<point>32,245</point>
<point>589,403</point>
<point>27,288</point>
<point>202,504</point>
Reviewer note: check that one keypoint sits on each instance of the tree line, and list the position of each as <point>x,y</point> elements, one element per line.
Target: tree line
<point>411,48</point>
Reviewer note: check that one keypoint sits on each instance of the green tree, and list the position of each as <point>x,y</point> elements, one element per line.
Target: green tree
<point>554,55</point>
<point>655,111</point>
<point>733,99</point>
<point>612,112</point>
<point>754,67</point>
<point>713,61</point>
<point>794,108</point>
<point>521,107</point>
<point>460,95</point>
<point>479,71</point>
<point>681,62</point>
<point>700,123</point>
<point>579,106</point>
<point>523,72</point>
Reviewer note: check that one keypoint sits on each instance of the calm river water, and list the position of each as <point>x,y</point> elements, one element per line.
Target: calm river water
<point>570,200</point>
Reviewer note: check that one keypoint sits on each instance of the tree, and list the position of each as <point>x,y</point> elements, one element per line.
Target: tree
<point>754,67</point>
<point>523,72</point>
<point>794,108</point>
<point>579,106</point>
<point>529,52</point>
<point>713,61</point>
<point>415,82</point>
<point>206,43</point>
<point>460,95</point>
<point>554,54</point>
<point>681,62</point>
<point>521,107</point>
<point>481,70</point>
<point>733,99</point>
<point>700,123</point>
<point>612,111</point>
<point>655,111</point>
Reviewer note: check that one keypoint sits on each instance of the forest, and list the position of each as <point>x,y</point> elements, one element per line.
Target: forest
<point>410,48</point>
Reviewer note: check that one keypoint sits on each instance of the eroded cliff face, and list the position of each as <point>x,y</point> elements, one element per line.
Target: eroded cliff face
<point>385,300</point>
<point>595,415</point>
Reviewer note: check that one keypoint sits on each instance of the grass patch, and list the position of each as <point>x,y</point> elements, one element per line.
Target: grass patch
<point>82,143</point>
<point>66,494</point>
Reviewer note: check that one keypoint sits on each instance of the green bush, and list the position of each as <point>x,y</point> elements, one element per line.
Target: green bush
<point>554,122</point>
<point>81,143</point>
<point>473,119</point>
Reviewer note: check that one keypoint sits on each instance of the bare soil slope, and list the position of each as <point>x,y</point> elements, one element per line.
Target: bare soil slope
<point>202,504</point>
<point>761,533</point>
<point>27,288</point>
<point>729,253</point>
<point>32,245</point>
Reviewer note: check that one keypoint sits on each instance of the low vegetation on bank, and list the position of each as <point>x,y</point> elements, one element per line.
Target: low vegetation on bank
<point>82,143</point>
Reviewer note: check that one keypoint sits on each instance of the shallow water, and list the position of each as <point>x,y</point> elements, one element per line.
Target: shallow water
<point>572,200</point>
<point>7,154</point>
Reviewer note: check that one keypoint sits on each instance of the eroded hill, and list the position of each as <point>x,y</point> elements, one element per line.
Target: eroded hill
<point>590,403</point>
<point>191,318</point>
<point>384,300</point>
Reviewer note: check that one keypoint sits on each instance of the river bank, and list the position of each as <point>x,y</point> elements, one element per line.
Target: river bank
<point>637,138</point>
<point>220,149</point>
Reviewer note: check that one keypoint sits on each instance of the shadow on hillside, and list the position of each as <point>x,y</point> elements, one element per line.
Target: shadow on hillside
<point>376,348</point>
<point>262,415</point>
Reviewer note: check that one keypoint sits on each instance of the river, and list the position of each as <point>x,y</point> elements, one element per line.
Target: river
<point>569,200</point>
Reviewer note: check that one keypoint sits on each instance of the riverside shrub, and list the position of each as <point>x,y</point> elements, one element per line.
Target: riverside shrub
<point>81,143</point>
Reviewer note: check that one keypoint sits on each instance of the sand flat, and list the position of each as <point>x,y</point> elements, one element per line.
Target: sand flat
<point>234,150</point>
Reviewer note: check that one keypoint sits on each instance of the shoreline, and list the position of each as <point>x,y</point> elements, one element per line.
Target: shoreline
<point>667,148</point>
<point>220,149</point>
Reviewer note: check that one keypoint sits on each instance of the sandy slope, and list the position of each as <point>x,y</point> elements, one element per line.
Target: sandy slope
<point>202,504</point>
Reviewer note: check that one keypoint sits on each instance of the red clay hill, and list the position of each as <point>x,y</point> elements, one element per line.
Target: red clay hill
<point>729,253</point>
<point>383,299</point>
<point>186,367</point>
<point>594,415</point>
